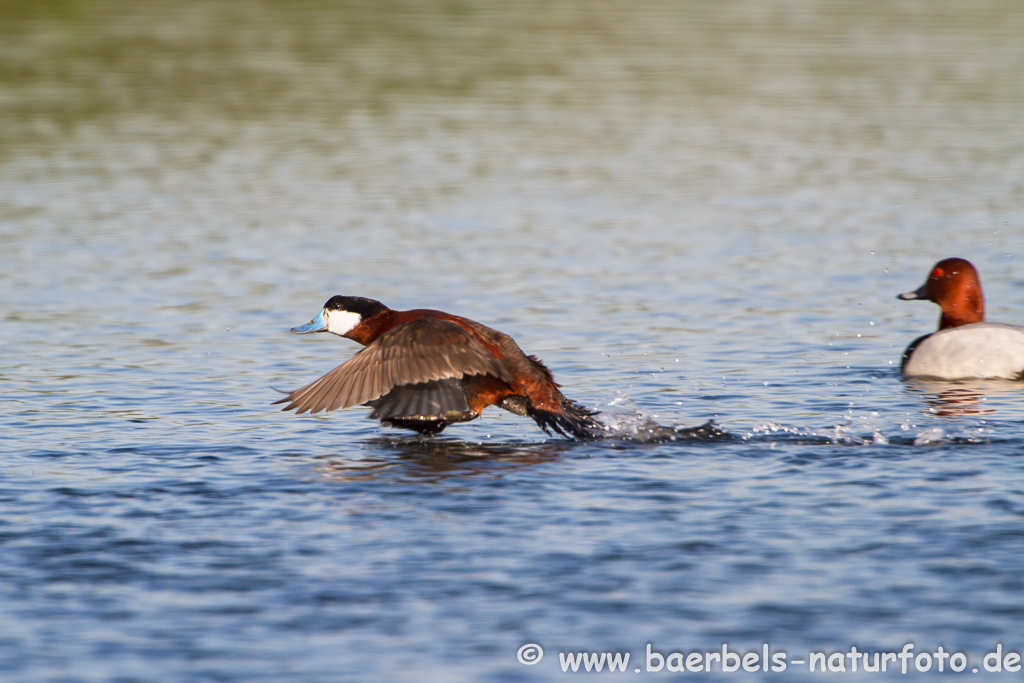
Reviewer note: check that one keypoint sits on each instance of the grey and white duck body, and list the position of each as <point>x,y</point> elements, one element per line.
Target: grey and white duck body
<point>965,345</point>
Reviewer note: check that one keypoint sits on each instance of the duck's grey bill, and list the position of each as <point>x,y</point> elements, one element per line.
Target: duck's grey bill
<point>317,324</point>
<point>918,293</point>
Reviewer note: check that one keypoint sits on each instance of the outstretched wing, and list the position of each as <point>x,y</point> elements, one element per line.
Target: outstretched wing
<point>420,351</point>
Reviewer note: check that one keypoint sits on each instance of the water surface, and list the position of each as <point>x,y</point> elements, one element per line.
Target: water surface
<point>691,212</point>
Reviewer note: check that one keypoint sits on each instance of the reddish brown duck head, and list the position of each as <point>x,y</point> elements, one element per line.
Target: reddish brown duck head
<point>954,285</point>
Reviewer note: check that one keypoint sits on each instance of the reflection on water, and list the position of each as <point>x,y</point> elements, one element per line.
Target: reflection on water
<point>434,459</point>
<point>419,458</point>
<point>966,398</point>
<point>958,403</point>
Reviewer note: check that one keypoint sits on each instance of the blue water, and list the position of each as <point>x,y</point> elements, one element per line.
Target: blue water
<point>691,214</point>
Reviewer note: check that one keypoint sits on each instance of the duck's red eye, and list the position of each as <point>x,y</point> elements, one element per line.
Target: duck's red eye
<point>937,272</point>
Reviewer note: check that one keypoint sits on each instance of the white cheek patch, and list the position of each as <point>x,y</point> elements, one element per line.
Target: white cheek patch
<point>341,322</point>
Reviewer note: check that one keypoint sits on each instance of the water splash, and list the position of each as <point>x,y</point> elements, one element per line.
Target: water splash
<point>627,421</point>
<point>844,434</point>
<point>931,435</point>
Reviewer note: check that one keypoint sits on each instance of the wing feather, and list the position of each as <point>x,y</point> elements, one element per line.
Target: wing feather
<point>417,352</point>
<point>333,392</point>
<point>437,400</point>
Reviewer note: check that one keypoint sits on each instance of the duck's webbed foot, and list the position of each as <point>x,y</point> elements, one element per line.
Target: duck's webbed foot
<point>515,404</point>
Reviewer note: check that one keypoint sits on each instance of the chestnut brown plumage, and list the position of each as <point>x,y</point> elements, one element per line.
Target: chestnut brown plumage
<point>424,369</point>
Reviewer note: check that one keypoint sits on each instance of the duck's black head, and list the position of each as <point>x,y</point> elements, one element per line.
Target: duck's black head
<point>365,308</point>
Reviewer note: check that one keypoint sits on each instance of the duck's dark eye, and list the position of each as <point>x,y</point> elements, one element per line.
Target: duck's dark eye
<point>336,303</point>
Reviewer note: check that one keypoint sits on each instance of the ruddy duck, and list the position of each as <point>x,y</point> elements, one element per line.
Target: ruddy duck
<point>423,370</point>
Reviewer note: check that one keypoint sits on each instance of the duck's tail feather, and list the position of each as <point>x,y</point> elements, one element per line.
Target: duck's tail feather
<point>573,421</point>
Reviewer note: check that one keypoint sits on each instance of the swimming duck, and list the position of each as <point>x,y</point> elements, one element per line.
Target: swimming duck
<point>964,346</point>
<point>423,370</point>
